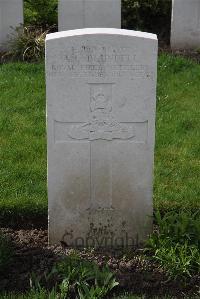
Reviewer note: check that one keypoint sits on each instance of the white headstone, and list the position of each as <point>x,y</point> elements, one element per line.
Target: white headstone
<point>75,14</point>
<point>101,97</point>
<point>11,16</point>
<point>185,26</point>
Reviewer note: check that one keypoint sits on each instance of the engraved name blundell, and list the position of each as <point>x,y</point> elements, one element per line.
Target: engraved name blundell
<point>102,126</point>
<point>99,61</point>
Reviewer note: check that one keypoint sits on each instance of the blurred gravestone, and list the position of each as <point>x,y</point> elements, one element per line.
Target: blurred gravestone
<point>75,14</point>
<point>101,95</point>
<point>11,16</point>
<point>185,26</point>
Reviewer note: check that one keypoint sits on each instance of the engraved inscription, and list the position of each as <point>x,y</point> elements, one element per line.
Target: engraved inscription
<point>102,71</point>
<point>102,124</point>
<point>99,61</point>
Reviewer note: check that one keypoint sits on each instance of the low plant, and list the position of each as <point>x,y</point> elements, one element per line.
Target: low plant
<point>86,278</point>
<point>180,227</point>
<point>41,12</point>
<point>147,15</point>
<point>39,291</point>
<point>176,244</point>
<point>179,261</point>
<point>77,278</point>
<point>27,44</point>
<point>6,252</point>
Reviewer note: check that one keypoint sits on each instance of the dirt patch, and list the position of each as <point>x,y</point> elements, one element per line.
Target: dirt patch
<point>31,254</point>
<point>135,273</point>
<point>190,54</point>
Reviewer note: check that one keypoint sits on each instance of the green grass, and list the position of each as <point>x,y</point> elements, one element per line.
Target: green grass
<point>41,294</point>
<point>176,245</point>
<point>145,297</point>
<point>23,141</point>
<point>53,295</point>
<point>139,297</point>
<point>177,156</point>
<point>23,138</point>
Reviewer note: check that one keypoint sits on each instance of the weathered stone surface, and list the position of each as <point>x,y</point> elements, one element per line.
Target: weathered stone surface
<point>11,16</point>
<point>75,14</point>
<point>185,26</point>
<point>101,94</point>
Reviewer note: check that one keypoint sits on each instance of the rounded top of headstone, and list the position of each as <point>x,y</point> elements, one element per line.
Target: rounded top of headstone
<point>104,31</point>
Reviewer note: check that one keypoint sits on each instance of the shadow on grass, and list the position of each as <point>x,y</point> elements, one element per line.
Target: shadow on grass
<point>23,218</point>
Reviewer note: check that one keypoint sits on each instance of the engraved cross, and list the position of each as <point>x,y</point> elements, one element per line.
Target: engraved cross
<point>100,130</point>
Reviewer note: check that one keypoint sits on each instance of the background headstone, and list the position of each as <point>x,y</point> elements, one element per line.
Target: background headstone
<point>101,95</point>
<point>185,26</point>
<point>11,16</point>
<point>75,14</point>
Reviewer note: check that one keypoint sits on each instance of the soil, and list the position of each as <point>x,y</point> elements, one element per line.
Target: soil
<point>190,54</point>
<point>134,273</point>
